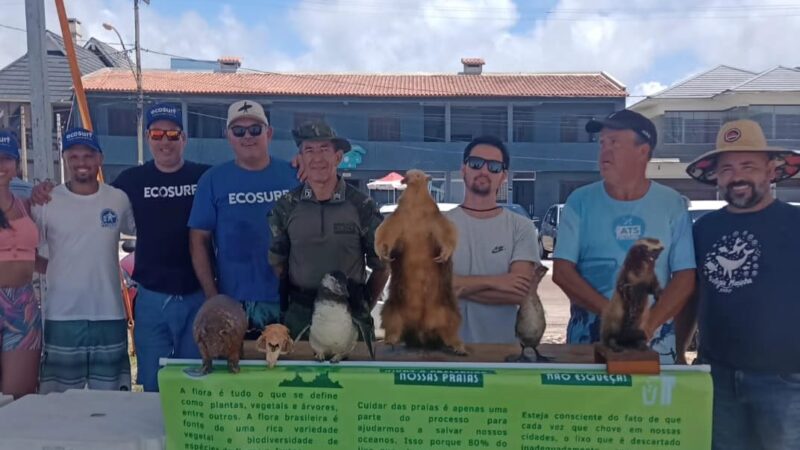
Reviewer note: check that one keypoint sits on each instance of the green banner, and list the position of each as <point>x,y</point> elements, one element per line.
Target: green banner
<point>372,408</point>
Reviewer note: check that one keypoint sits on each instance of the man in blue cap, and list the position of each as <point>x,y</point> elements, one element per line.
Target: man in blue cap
<point>161,192</point>
<point>600,222</point>
<point>85,332</point>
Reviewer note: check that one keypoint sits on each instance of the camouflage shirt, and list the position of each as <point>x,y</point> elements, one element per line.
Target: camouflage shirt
<point>312,238</point>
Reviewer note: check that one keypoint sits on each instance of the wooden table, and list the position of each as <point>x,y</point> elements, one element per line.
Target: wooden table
<point>488,353</point>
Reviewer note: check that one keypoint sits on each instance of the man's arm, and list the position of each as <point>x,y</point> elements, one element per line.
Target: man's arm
<point>200,249</point>
<point>685,327</point>
<point>673,299</point>
<point>375,284</point>
<point>578,290</point>
<point>511,288</point>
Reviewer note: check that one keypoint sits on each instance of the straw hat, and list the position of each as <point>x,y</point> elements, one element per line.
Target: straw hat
<point>743,136</point>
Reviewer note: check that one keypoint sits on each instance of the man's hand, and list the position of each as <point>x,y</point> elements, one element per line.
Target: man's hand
<point>516,284</point>
<point>40,194</point>
<point>297,163</point>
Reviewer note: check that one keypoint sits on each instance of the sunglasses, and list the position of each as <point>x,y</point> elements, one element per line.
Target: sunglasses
<point>254,130</point>
<point>157,135</point>
<point>476,162</point>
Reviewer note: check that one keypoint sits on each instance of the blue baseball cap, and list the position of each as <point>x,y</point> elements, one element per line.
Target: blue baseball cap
<point>8,144</point>
<point>80,136</point>
<point>165,111</point>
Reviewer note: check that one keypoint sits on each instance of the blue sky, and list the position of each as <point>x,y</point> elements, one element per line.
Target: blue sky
<point>646,44</point>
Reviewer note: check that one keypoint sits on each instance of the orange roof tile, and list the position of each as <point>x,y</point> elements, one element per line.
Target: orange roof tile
<point>473,61</point>
<point>358,85</point>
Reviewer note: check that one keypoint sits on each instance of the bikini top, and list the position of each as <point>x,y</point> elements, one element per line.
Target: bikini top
<point>19,242</point>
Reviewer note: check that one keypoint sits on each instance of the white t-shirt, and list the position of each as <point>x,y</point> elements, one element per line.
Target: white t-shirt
<point>82,236</point>
<point>488,247</point>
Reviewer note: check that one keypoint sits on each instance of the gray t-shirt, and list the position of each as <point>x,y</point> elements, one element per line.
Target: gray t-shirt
<point>488,247</point>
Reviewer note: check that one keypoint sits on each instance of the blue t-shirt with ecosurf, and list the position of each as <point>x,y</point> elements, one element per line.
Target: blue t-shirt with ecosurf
<point>233,204</point>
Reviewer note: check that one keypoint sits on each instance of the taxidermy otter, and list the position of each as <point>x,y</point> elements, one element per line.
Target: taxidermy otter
<point>622,321</point>
<point>422,310</point>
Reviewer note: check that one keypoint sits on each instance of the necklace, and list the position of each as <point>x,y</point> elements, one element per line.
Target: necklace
<point>479,210</point>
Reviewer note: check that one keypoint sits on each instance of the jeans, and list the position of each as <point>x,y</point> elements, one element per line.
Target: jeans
<point>755,411</point>
<point>163,329</point>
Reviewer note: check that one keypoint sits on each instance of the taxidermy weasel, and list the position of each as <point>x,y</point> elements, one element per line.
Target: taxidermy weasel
<point>622,321</point>
<point>418,240</point>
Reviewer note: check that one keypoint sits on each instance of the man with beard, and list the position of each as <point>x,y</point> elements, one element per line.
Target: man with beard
<point>493,264</point>
<point>601,221</point>
<point>161,193</point>
<point>85,332</point>
<point>747,306</point>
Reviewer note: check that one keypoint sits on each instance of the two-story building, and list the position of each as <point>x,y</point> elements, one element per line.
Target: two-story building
<point>15,86</point>
<point>689,114</point>
<point>395,122</point>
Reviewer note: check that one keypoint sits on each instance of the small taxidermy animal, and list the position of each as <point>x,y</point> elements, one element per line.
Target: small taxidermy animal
<point>219,329</point>
<point>334,330</point>
<point>418,241</point>
<point>623,319</point>
<point>274,341</point>
<point>531,322</point>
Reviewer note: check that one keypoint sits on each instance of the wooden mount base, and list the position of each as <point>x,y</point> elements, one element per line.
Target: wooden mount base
<point>627,362</point>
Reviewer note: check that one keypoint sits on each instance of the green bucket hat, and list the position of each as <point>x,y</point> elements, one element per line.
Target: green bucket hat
<point>319,130</point>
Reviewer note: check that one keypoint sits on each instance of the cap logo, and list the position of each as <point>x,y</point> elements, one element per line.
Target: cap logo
<point>79,134</point>
<point>646,134</point>
<point>245,107</point>
<point>5,140</point>
<point>164,110</point>
<point>732,135</point>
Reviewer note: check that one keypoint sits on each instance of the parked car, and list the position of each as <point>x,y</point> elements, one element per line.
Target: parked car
<point>443,207</point>
<point>517,208</point>
<point>548,232</point>
<point>699,208</point>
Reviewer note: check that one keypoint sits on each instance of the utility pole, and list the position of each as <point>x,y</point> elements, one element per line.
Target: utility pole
<point>139,93</point>
<point>41,110</point>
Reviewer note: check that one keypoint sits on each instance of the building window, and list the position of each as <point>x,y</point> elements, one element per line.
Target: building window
<point>384,129</point>
<point>207,121</point>
<point>695,127</point>
<point>469,122</point>
<point>573,129</point>
<point>524,124</point>
<point>701,131</point>
<point>303,117</point>
<point>764,115</point>
<point>433,124</point>
<point>122,122</point>
<point>787,122</point>
<point>673,130</point>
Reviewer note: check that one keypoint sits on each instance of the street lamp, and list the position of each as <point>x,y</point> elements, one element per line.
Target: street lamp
<point>137,75</point>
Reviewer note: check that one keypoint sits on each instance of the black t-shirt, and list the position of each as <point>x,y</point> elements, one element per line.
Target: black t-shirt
<point>161,206</point>
<point>747,266</point>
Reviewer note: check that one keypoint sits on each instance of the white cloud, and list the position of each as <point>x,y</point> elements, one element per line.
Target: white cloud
<point>627,41</point>
<point>648,88</point>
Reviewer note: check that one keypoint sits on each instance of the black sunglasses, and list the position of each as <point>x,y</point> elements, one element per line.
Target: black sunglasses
<point>476,162</point>
<point>254,130</point>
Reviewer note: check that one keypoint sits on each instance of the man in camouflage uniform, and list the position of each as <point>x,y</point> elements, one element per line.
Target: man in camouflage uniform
<point>321,227</point>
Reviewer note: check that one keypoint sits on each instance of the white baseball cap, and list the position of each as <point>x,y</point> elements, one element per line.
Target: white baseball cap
<point>246,109</point>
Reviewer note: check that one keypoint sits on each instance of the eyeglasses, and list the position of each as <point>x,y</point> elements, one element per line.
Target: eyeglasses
<point>476,162</point>
<point>254,130</point>
<point>157,135</point>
